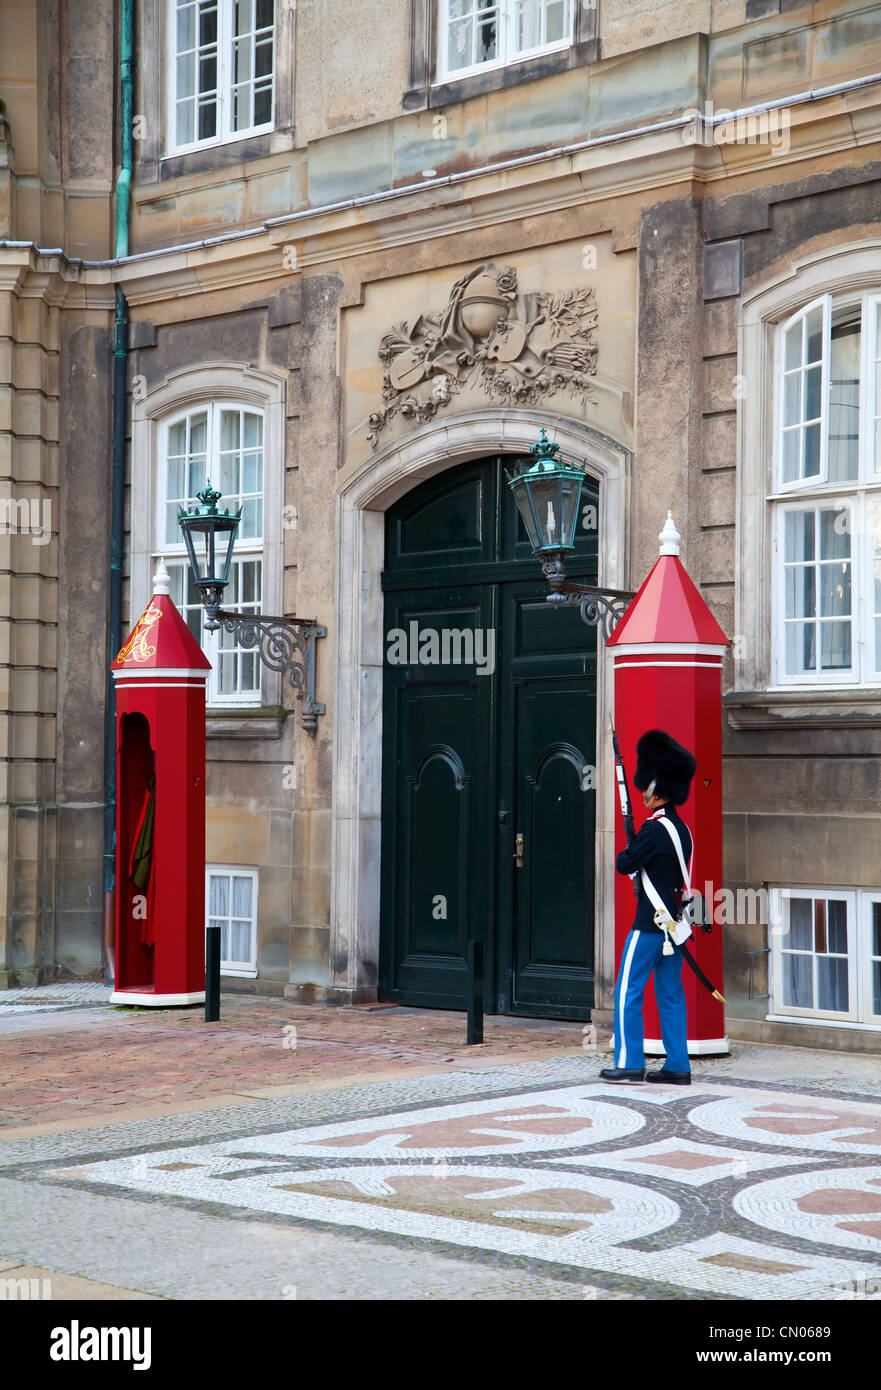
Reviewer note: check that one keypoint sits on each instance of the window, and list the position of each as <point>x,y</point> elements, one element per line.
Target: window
<point>222,443</point>
<point>231,904</point>
<point>826,954</point>
<point>479,34</point>
<point>222,55</point>
<point>828,457</point>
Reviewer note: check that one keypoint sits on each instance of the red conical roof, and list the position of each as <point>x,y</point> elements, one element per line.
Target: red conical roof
<point>161,640</point>
<point>668,607</point>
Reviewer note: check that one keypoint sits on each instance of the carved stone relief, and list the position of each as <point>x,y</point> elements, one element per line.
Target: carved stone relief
<point>517,348</point>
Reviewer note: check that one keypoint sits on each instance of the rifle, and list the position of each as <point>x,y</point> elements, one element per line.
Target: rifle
<point>624,797</point>
<point>627,813</point>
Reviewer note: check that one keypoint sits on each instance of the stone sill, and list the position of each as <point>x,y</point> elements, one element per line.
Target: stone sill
<point>265,722</point>
<point>803,709</point>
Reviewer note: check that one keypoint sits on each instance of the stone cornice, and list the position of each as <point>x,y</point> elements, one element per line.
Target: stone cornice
<point>657,160</point>
<point>772,710</point>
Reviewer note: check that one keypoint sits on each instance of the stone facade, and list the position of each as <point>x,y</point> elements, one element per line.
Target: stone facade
<point>272,266</point>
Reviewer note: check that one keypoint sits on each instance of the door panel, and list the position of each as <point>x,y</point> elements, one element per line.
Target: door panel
<point>471,760</point>
<point>437,770</point>
<point>555,806</point>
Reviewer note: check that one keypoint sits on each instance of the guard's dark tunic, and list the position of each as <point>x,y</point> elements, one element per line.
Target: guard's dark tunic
<point>653,850</point>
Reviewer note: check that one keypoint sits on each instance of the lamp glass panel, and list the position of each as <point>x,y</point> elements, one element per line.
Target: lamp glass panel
<point>570,496</point>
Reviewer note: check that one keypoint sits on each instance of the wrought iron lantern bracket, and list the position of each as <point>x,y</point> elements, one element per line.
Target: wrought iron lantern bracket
<point>286,645</point>
<point>602,608</point>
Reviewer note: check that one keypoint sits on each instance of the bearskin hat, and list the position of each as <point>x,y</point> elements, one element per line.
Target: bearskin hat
<point>660,759</point>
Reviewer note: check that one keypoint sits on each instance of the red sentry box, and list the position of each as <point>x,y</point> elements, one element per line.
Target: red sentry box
<point>667,653</point>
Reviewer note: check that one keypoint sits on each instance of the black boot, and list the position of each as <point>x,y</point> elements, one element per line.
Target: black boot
<point>625,1074</point>
<point>670,1078</point>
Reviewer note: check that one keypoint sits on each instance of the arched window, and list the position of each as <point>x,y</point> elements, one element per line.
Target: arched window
<point>223,443</point>
<point>225,424</point>
<point>826,493</point>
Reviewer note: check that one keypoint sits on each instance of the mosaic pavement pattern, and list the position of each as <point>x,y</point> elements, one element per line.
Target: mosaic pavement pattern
<point>721,1190</point>
<point>44,999</point>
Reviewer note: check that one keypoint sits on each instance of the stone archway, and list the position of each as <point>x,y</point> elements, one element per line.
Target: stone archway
<point>362,501</point>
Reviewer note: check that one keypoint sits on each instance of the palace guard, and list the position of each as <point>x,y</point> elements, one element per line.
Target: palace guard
<point>661,856</point>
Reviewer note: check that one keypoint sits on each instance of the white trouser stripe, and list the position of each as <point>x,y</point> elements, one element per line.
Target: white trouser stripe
<point>622,996</point>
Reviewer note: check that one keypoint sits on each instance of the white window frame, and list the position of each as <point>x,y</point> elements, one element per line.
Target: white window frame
<point>861,495</point>
<point>839,503</point>
<point>859,975</point>
<point>246,548</point>
<point>237,968</point>
<point>181,392</point>
<point>868,897</point>
<point>225,134</point>
<point>506,54</point>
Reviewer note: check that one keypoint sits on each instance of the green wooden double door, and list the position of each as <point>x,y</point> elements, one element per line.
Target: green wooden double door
<point>489,741</point>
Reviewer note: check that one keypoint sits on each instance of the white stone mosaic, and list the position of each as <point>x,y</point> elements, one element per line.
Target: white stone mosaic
<point>47,999</point>
<point>718,1163</point>
<point>790,1121</point>
<point>492,1124</point>
<point>836,1206</point>
<point>720,1263</point>
<point>564,1213</point>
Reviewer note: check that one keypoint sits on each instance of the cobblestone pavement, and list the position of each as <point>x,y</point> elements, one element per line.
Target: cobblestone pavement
<point>518,1177</point>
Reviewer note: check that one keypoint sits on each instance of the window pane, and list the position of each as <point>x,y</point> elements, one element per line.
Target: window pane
<point>792,398</point>
<point>832,983</point>
<point>801,648</point>
<point>837,927</point>
<point>876,987</point>
<point>527,27</point>
<point>207,120</point>
<point>792,347</point>
<point>801,598</point>
<point>844,401</point>
<point>557,25</point>
<point>811,451</point>
<point>459,43</point>
<point>791,455</point>
<point>834,591</point>
<point>208,73</point>
<point>263,60</point>
<point>207,24</point>
<point>801,924</point>
<point>198,433</point>
<point>813,382</point>
<point>241,896</point>
<point>799,536</point>
<point>876,375</point>
<point>229,429</point>
<point>239,951</point>
<point>876,929</point>
<point>265,13</point>
<point>486,37</point>
<point>186,27</point>
<point>218,895</point>
<point>798,987</point>
<point>835,646</point>
<point>814,335</point>
<point>186,75</point>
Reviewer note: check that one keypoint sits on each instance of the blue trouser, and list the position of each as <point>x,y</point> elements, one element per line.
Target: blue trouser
<point>643,953</point>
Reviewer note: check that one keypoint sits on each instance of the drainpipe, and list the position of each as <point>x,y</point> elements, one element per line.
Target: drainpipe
<point>117,484</point>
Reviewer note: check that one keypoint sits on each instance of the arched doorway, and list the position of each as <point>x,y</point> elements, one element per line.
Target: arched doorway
<point>489,736</point>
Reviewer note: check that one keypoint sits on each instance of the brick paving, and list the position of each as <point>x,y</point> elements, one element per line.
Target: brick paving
<point>89,1061</point>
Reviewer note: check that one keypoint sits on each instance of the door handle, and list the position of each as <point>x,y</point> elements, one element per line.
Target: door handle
<point>518,850</point>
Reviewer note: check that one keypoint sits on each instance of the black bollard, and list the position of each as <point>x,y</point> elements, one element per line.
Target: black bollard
<point>212,974</point>
<point>474,958</point>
